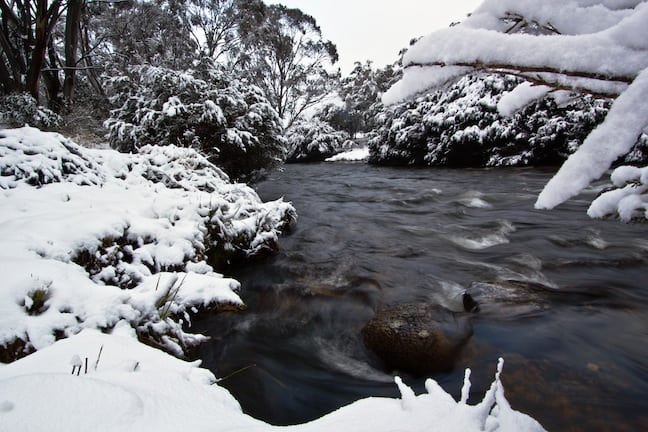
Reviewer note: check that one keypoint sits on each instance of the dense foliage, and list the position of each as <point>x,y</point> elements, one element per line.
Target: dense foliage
<point>173,72</point>
<point>315,141</point>
<point>228,120</point>
<point>19,109</point>
<point>460,126</point>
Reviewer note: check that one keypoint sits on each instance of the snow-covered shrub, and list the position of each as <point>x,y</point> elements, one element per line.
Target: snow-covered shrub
<point>19,109</point>
<point>314,141</point>
<point>461,126</point>
<point>24,158</point>
<point>228,120</point>
<point>92,237</point>
<point>588,46</point>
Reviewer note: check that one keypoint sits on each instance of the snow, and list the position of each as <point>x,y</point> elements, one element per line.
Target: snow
<point>591,46</point>
<point>102,237</point>
<point>520,97</point>
<point>129,386</point>
<point>628,199</point>
<point>359,154</point>
<point>133,216</point>
<point>612,139</point>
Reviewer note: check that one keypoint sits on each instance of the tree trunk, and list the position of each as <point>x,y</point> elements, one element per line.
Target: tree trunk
<point>51,79</point>
<point>72,21</point>
<point>40,46</point>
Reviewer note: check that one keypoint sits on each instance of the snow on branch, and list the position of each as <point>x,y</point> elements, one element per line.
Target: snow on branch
<point>611,140</point>
<point>589,46</point>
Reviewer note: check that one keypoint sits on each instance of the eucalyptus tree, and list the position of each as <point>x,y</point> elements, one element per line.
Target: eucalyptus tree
<point>28,46</point>
<point>290,61</point>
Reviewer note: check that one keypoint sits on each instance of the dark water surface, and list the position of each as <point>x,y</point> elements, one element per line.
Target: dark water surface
<point>563,298</point>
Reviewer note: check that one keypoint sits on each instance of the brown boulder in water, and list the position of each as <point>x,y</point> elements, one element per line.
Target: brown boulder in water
<point>417,338</point>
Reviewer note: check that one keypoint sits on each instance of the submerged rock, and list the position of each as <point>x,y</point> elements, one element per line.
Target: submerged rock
<point>417,338</point>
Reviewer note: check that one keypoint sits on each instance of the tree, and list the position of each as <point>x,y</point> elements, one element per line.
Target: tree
<point>594,47</point>
<point>25,30</point>
<point>220,27</point>
<point>361,91</point>
<point>287,58</point>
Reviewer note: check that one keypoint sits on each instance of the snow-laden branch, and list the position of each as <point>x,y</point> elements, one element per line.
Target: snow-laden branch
<point>575,17</point>
<point>612,139</point>
<point>596,46</point>
<point>615,55</point>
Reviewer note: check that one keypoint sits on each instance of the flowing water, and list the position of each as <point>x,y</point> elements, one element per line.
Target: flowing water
<point>563,298</point>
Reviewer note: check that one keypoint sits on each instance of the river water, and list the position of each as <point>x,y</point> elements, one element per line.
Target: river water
<point>563,298</point>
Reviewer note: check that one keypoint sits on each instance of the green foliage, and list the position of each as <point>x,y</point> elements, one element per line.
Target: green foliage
<point>460,126</point>
<point>19,109</point>
<point>229,120</point>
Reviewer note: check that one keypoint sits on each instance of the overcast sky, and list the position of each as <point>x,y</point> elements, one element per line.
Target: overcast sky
<point>378,29</point>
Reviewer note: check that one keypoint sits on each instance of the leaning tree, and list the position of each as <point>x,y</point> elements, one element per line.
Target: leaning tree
<point>597,47</point>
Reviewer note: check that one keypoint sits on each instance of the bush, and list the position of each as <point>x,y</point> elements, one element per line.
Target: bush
<point>314,141</point>
<point>460,126</point>
<point>19,109</point>
<point>228,120</point>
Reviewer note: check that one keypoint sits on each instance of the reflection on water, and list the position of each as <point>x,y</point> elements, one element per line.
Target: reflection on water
<point>562,297</point>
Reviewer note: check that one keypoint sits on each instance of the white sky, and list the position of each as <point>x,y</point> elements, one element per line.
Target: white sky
<point>378,29</point>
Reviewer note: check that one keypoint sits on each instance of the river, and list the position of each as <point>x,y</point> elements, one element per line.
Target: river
<point>563,298</point>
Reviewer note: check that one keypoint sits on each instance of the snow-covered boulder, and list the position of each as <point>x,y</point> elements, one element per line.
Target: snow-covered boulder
<point>92,237</point>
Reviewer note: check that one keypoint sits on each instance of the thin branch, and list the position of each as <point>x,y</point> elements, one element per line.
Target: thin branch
<point>529,69</point>
<point>63,68</point>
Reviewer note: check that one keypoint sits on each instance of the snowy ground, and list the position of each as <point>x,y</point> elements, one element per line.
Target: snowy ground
<point>128,386</point>
<point>99,248</point>
<point>355,155</point>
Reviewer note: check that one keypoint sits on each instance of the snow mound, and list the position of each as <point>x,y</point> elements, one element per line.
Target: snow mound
<point>92,237</point>
<point>39,158</point>
<point>355,155</point>
<point>128,386</point>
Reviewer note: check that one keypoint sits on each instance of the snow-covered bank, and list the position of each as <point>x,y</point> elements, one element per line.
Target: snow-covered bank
<point>132,387</point>
<point>355,155</point>
<point>92,237</point>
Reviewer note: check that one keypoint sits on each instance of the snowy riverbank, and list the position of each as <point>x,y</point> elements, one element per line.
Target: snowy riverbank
<point>99,249</point>
<point>92,237</point>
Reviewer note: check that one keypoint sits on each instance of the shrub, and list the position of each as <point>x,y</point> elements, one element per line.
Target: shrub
<point>227,119</point>
<point>19,109</point>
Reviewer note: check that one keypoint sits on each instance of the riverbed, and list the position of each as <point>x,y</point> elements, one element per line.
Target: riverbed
<point>562,297</point>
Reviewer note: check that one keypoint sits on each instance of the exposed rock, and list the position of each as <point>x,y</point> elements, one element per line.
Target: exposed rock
<point>417,338</point>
